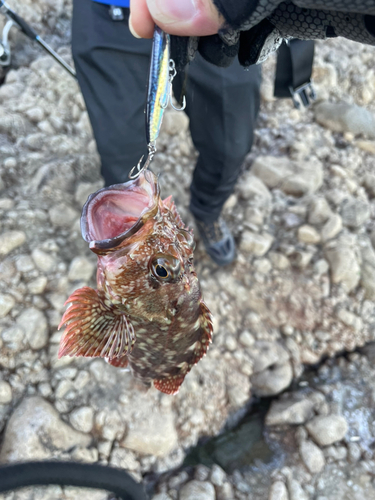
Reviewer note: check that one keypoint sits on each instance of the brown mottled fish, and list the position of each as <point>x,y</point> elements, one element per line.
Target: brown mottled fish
<point>147,312</point>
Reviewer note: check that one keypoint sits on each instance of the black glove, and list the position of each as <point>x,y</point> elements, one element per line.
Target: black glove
<point>255,28</point>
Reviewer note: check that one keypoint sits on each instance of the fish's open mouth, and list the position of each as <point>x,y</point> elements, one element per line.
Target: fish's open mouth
<point>114,213</point>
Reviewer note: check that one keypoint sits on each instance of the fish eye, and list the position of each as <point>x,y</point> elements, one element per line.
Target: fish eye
<point>161,271</point>
<point>165,267</point>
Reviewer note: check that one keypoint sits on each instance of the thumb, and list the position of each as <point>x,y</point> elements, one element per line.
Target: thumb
<point>177,17</point>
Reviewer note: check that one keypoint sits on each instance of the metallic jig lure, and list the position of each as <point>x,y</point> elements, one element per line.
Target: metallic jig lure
<point>159,94</point>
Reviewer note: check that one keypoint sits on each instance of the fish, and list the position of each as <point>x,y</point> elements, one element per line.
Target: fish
<point>147,312</point>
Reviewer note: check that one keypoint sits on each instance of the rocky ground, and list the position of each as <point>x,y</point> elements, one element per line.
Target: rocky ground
<point>301,290</point>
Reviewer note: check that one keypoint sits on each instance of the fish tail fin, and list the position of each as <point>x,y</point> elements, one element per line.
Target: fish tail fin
<point>169,385</point>
<point>93,328</point>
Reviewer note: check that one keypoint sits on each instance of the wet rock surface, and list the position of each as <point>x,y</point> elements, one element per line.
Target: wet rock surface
<point>301,289</point>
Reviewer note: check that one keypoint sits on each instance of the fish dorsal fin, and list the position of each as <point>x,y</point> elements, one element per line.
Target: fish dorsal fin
<point>93,328</point>
<point>169,203</point>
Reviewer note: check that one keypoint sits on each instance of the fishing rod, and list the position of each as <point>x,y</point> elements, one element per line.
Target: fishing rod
<point>15,20</point>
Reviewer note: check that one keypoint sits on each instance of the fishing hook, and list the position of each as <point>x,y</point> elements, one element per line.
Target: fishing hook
<point>151,153</point>
<point>172,74</point>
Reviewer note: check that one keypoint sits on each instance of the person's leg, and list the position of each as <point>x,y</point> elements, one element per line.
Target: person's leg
<point>222,105</point>
<point>112,69</point>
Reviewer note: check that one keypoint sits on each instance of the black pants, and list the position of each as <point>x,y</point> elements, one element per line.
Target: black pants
<point>222,105</point>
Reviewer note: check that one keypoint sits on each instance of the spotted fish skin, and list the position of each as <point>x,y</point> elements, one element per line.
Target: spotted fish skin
<point>147,312</point>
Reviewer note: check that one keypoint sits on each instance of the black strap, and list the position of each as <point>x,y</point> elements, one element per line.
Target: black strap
<point>293,71</point>
<point>96,476</point>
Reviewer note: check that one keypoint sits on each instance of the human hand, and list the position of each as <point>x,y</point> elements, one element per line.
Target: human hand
<point>252,29</point>
<point>177,17</point>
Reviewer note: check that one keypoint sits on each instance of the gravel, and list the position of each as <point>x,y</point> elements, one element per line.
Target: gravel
<point>300,291</point>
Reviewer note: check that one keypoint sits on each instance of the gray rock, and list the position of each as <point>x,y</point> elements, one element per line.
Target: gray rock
<point>321,266</point>
<point>217,476</point>
<point>355,213</point>
<point>343,117</point>
<point>5,393</point>
<point>252,188</point>
<point>34,324</point>
<point>257,244</point>
<point>279,260</point>
<point>10,163</point>
<point>35,114</point>
<point>367,146</point>
<point>308,234</point>
<point>278,491</point>
<point>11,240</point>
<point>44,261</point>
<point>319,211</point>
<point>273,380</point>
<point>84,189</point>
<point>175,122</point>
<point>197,490</point>
<point>7,303</point>
<point>266,354</point>
<point>82,419</point>
<point>368,279</point>
<point>6,203</point>
<point>327,430</point>
<point>312,457</point>
<point>290,412</point>
<point>246,339</point>
<point>37,286</point>
<point>291,177</point>
<point>13,337</point>
<point>154,434</point>
<point>296,491</point>
<point>300,259</point>
<point>24,263</point>
<point>161,496</point>
<point>63,215</point>
<point>81,268</point>
<point>331,228</point>
<point>36,432</point>
<point>350,319</point>
<point>272,368</point>
<point>369,183</point>
<point>344,265</point>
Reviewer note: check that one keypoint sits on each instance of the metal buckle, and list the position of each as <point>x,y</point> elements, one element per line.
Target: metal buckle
<point>304,94</point>
<point>116,13</point>
<point>4,45</point>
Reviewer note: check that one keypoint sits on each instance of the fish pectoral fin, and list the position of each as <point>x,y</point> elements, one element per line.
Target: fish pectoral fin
<point>169,385</point>
<point>119,362</point>
<point>93,328</point>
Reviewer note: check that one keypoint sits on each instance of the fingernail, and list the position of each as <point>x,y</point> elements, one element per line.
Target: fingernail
<point>172,11</point>
<point>132,30</point>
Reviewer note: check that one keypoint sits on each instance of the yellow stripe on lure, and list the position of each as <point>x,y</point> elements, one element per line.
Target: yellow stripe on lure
<point>159,93</point>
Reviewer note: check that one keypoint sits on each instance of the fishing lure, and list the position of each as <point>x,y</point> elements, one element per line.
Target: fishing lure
<point>159,94</point>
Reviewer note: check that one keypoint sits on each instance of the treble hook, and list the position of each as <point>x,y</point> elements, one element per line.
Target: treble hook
<point>151,152</point>
<point>172,74</point>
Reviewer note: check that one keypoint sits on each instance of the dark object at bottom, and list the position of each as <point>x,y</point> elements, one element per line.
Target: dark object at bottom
<point>95,476</point>
<point>218,241</point>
